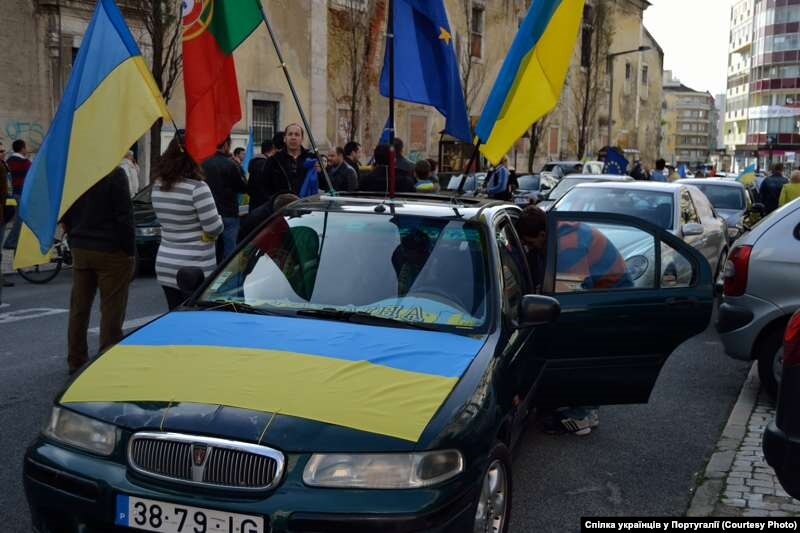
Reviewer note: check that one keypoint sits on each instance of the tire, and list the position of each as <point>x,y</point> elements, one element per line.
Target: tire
<point>40,274</point>
<point>769,353</point>
<point>486,519</point>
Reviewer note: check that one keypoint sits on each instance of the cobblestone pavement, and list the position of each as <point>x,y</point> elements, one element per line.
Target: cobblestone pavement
<point>751,487</point>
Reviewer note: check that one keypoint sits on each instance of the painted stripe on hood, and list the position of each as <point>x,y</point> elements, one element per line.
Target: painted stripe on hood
<point>353,394</point>
<point>427,352</point>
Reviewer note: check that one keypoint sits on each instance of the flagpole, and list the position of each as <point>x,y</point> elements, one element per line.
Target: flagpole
<point>392,177</point>
<point>472,160</point>
<point>296,98</point>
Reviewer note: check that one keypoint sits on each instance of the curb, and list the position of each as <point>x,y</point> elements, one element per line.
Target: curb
<point>708,492</point>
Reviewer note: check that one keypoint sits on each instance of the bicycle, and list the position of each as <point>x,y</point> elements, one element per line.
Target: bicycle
<point>60,255</point>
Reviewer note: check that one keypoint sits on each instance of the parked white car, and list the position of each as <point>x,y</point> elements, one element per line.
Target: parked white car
<point>762,290</point>
<point>683,210</point>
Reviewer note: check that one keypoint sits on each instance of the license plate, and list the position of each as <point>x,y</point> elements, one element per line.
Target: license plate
<point>164,517</point>
<point>522,200</point>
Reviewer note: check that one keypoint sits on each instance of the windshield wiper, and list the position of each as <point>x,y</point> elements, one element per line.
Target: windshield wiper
<point>228,305</point>
<point>361,317</point>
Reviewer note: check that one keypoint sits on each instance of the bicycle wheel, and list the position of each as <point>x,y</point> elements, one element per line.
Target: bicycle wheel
<point>41,273</point>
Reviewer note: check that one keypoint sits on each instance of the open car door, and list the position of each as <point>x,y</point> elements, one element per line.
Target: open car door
<point>630,293</point>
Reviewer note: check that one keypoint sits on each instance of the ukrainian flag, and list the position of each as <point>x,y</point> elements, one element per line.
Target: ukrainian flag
<point>110,101</point>
<point>530,82</point>
<point>748,175</point>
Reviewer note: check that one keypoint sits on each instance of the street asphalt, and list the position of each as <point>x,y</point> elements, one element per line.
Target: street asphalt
<point>642,460</point>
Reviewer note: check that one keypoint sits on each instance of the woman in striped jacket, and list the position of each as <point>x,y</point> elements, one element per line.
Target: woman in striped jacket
<point>188,216</point>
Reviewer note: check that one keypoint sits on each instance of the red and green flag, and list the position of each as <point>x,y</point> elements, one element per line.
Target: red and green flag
<point>212,30</point>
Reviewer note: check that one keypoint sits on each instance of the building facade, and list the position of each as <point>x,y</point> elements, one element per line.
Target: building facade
<point>690,124</point>
<point>763,109</point>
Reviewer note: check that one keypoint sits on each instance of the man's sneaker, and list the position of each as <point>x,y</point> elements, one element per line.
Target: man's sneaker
<point>575,420</point>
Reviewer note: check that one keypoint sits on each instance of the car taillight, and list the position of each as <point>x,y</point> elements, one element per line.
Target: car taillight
<point>791,342</point>
<point>735,274</point>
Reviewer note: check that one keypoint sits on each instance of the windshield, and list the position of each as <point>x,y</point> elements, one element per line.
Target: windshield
<point>528,183</point>
<point>723,197</point>
<point>654,207</point>
<point>410,269</point>
<point>469,183</point>
<point>564,186</point>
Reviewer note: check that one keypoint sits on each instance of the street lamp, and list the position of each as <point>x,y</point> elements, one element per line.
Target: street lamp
<point>610,66</point>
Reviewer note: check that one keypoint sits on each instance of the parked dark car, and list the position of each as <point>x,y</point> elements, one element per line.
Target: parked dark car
<point>358,364</point>
<point>782,436</point>
<point>531,188</point>
<point>148,230</point>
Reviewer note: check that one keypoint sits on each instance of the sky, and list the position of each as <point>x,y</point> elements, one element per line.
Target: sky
<point>694,36</point>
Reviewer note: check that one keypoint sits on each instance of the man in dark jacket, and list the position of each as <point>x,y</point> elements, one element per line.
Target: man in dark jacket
<point>770,191</point>
<point>377,180</point>
<point>285,170</point>
<point>226,181</point>
<point>352,154</point>
<point>343,176</point>
<point>102,239</point>
<point>404,166</point>
<point>257,185</point>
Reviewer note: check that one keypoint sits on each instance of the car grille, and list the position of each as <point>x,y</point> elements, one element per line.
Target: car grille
<point>205,461</point>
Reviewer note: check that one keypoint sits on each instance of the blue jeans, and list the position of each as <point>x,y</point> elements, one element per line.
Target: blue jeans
<point>227,241</point>
<point>16,227</point>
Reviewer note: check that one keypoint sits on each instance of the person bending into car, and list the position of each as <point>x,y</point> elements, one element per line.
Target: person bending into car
<point>584,253</point>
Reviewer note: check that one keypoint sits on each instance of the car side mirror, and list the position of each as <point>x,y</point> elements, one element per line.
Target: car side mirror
<point>537,310</point>
<point>190,279</point>
<point>690,230</point>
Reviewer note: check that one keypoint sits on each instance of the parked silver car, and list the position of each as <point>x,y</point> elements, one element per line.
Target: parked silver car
<point>681,209</point>
<point>566,185</point>
<point>761,291</point>
<point>730,200</point>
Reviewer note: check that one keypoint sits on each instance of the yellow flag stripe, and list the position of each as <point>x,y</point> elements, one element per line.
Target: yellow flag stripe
<point>356,395</point>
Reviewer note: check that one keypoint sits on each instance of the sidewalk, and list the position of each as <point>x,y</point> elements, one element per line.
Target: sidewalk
<point>738,481</point>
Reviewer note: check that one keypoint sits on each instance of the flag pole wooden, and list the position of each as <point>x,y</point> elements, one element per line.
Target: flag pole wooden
<point>472,160</point>
<point>296,98</point>
<point>392,177</point>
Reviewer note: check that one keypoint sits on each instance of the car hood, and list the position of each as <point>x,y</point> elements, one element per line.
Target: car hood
<point>293,383</point>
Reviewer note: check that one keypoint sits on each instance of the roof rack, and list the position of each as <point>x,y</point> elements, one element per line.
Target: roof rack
<point>433,197</point>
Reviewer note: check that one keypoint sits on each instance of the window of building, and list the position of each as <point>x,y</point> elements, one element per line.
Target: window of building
<point>644,74</point>
<point>265,120</point>
<point>477,29</point>
<point>628,72</point>
<point>553,141</point>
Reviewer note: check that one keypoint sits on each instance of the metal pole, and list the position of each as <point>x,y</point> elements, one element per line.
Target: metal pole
<point>390,47</point>
<point>296,98</point>
<point>610,98</point>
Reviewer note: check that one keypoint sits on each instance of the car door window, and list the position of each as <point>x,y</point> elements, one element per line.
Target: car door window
<point>676,269</point>
<point>703,206</point>
<point>688,212</point>
<point>598,256</point>
<point>514,268</point>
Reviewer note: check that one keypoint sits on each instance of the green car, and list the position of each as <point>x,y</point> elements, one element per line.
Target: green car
<point>360,364</point>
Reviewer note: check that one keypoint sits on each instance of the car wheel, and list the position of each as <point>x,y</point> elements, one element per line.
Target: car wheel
<point>493,509</point>
<point>769,353</point>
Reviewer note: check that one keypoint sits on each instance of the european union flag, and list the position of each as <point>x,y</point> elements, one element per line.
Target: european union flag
<point>426,69</point>
<point>615,163</point>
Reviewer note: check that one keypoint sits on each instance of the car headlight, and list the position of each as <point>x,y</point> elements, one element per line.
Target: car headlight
<point>382,471</point>
<point>637,266</point>
<point>148,231</point>
<point>81,431</point>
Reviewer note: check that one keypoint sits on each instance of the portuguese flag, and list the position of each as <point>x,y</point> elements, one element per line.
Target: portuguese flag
<point>212,30</point>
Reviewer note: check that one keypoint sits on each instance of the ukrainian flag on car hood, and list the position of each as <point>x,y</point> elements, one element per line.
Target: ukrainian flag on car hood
<point>387,381</point>
<point>110,101</point>
<point>530,82</point>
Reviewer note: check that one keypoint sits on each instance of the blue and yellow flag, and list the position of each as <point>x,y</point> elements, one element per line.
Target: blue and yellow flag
<point>748,175</point>
<point>530,82</point>
<point>426,69</point>
<point>110,101</point>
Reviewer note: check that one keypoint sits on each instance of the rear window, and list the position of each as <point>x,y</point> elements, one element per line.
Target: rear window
<point>652,206</point>
<point>722,197</point>
<point>528,183</point>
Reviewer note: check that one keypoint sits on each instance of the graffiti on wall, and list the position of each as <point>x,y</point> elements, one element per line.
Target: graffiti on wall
<point>29,131</point>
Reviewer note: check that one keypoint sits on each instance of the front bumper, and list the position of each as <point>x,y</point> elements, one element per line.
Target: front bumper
<point>783,454</point>
<point>70,491</point>
<point>740,321</point>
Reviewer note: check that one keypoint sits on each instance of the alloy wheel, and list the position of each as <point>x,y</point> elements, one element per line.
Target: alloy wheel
<point>491,513</point>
